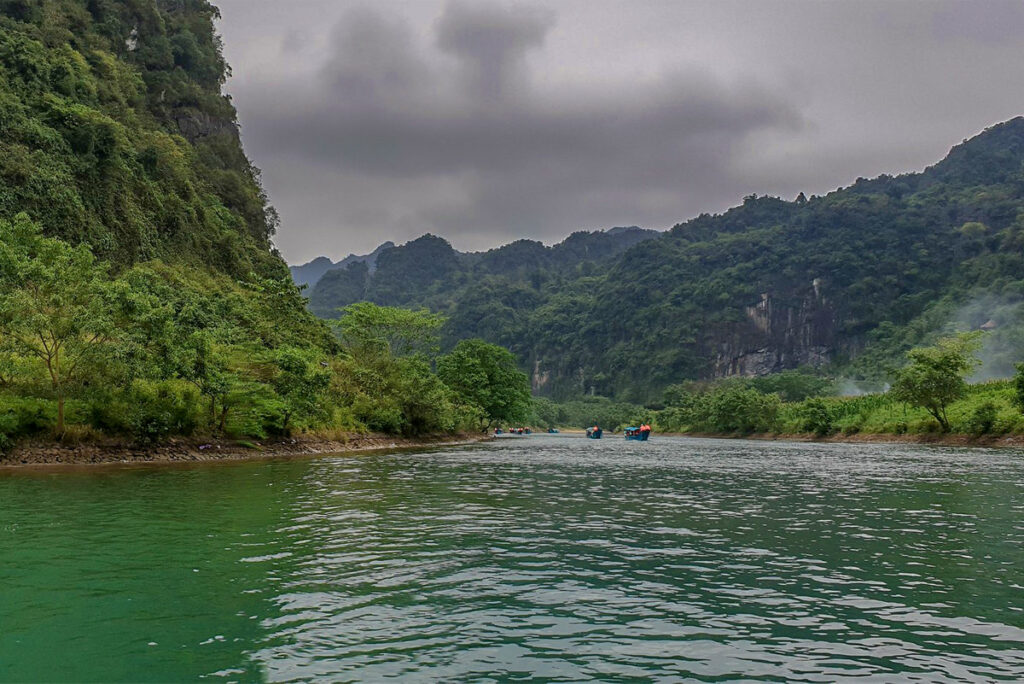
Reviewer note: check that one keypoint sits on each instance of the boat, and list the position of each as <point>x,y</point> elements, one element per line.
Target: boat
<point>594,433</point>
<point>635,434</point>
<point>552,431</point>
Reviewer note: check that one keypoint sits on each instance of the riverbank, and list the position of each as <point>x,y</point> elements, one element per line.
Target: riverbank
<point>927,439</point>
<point>197,450</point>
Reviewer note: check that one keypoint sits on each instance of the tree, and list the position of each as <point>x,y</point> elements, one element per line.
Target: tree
<point>301,383</point>
<point>934,378</point>
<point>367,327</point>
<point>485,375</point>
<point>54,304</point>
<point>1018,386</point>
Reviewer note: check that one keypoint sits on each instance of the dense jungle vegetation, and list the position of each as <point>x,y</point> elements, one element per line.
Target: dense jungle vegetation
<point>850,281</point>
<point>140,296</point>
<point>930,394</point>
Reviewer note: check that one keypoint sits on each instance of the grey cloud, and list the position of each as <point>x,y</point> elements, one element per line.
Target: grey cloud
<point>487,121</point>
<point>294,42</point>
<point>374,59</point>
<point>492,41</point>
<point>395,110</point>
<point>994,20</point>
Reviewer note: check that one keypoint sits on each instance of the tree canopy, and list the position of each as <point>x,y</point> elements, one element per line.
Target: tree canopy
<point>936,375</point>
<point>485,376</point>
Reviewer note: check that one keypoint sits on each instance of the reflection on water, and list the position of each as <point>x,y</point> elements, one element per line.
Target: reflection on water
<point>552,556</point>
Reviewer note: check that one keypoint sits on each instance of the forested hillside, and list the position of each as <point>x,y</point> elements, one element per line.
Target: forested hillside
<point>140,295</point>
<point>428,269</point>
<point>850,280</point>
<point>116,134</point>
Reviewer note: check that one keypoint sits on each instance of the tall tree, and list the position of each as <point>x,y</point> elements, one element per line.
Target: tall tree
<point>485,375</point>
<point>54,304</point>
<point>935,376</point>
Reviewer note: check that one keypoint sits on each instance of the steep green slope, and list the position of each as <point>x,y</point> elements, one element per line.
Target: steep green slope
<point>849,279</point>
<point>114,133</point>
<point>140,296</point>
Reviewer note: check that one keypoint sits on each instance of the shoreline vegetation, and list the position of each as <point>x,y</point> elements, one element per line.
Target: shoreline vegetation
<point>929,402</point>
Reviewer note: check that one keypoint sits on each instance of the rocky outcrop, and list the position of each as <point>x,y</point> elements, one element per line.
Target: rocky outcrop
<point>778,333</point>
<point>195,125</point>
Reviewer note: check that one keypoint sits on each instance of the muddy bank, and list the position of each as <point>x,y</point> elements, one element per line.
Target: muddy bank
<point>195,450</point>
<point>1012,441</point>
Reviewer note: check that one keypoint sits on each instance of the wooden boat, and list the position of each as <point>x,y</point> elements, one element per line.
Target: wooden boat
<point>635,434</point>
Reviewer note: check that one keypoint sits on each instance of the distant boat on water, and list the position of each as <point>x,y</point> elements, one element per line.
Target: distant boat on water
<point>594,432</point>
<point>637,434</point>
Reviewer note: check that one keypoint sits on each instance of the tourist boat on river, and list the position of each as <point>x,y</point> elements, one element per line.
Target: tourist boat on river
<point>594,432</point>
<point>637,434</point>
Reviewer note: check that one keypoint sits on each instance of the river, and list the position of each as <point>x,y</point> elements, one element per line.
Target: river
<point>552,556</point>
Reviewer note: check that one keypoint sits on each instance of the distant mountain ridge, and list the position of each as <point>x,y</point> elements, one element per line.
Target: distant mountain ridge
<point>309,273</point>
<point>848,280</point>
<point>427,259</point>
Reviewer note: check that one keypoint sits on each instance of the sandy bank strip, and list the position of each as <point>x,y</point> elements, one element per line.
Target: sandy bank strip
<point>51,454</point>
<point>987,441</point>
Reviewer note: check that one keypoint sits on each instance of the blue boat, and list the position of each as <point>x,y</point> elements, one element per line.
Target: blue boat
<point>552,431</point>
<point>594,433</point>
<point>635,434</point>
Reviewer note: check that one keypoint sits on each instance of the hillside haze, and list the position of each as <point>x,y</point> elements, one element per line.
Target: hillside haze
<point>849,279</point>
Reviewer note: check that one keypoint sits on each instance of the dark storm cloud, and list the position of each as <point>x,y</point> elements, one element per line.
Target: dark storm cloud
<point>490,120</point>
<point>505,154</point>
<point>492,42</point>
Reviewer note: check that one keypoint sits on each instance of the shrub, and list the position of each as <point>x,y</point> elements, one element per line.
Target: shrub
<point>982,419</point>
<point>147,412</point>
<point>817,417</point>
<point>24,417</point>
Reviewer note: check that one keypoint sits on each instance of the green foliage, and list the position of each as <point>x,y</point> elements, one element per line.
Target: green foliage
<point>728,407</point>
<point>139,293</point>
<point>372,329</point>
<point>793,385</point>
<point>485,376</point>
<point>1018,386</point>
<point>53,305</point>
<point>856,277</point>
<point>114,132</point>
<point>584,412</point>
<point>301,383</point>
<point>817,417</point>
<point>983,419</point>
<point>935,376</point>
<point>988,408</point>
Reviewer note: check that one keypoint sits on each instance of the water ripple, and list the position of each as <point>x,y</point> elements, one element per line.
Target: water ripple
<point>555,558</point>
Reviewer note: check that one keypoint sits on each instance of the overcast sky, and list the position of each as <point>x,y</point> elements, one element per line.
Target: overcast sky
<point>485,122</point>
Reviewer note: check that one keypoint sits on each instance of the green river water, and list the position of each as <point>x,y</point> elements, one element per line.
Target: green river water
<point>550,557</point>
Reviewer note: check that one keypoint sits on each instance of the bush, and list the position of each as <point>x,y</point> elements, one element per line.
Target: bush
<point>982,419</point>
<point>24,417</point>
<point>816,416</point>
<point>735,409</point>
<point>148,412</point>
